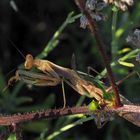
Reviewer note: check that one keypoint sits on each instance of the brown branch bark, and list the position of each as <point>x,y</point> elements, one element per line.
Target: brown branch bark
<point>129,112</point>
<point>52,113</point>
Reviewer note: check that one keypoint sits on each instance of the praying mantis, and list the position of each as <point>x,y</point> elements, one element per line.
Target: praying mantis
<point>54,74</point>
<point>51,74</point>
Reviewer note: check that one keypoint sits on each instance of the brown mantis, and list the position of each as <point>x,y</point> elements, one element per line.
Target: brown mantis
<point>51,74</point>
<point>54,74</point>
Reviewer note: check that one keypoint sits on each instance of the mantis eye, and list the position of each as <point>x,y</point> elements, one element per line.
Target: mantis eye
<point>29,62</point>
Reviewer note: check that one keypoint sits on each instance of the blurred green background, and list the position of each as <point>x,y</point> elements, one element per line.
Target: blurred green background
<point>30,25</point>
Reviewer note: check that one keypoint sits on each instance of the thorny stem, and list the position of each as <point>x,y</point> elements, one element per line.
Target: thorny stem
<point>95,31</point>
<point>54,113</point>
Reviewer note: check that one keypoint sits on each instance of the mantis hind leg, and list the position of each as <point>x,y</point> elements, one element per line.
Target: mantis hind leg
<point>64,96</point>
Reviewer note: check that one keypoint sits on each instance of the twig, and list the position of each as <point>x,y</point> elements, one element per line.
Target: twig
<point>52,113</point>
<point>123,111</point>
<point>122,80</point>
<point>95,31</point>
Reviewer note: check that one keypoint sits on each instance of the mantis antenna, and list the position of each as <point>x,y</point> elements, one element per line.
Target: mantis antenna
<point>16,48</point>
<point>14,68</point>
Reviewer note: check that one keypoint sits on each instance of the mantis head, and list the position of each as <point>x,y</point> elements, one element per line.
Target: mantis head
<point>29,62</point>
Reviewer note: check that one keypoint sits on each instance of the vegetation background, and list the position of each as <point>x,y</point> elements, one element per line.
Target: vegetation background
<point>30,26</point>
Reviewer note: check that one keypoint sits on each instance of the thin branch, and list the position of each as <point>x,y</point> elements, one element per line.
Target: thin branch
<point>52,113</point>
<point>124,111</point>
<point>95,31</point>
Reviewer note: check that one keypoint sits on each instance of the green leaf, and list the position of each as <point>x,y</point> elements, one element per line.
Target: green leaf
<point>127,64</point>
<point>124,50</point>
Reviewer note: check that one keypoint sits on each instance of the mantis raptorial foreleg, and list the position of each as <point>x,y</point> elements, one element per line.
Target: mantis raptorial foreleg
<point>10,81</point>
<point>37,79</point>
<point>33,78</point>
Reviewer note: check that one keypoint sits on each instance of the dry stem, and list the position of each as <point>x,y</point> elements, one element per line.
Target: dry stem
<point>54,113</point>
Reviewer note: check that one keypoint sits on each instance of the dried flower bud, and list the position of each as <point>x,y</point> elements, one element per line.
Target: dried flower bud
<point>134,39</point>
<point>100,6</point>
<point>94,7</point>
<point>91,4</point>
<point>122,4</point>
<point>83,22</point>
